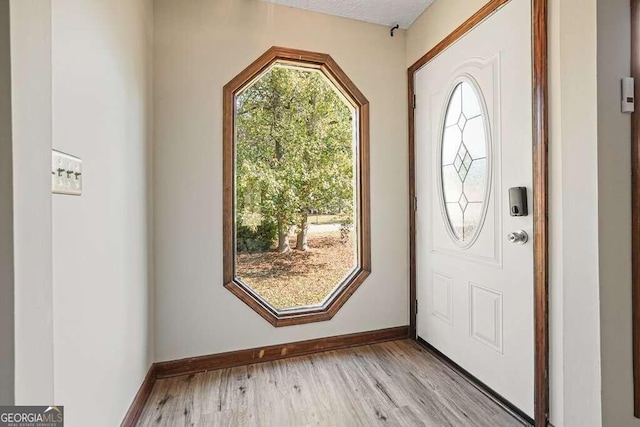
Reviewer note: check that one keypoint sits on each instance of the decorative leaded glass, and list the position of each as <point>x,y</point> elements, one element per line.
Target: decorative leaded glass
<point>464,162</point>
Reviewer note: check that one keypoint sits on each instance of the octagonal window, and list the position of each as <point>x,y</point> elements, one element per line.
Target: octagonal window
<point>296,187</point>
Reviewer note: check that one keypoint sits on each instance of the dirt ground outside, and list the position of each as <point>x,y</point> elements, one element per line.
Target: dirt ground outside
<point>297,278</point>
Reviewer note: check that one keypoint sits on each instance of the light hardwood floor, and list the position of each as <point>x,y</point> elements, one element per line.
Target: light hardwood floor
<point>395,383</point>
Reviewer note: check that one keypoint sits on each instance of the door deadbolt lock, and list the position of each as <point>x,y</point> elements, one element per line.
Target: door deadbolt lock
<point>518,201</point>
<point>519,237</point>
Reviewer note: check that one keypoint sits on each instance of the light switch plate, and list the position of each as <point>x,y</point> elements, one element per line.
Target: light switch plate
<point>66,174</point>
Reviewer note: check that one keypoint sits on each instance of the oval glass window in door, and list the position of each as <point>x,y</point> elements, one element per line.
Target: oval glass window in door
<point>464,162</point>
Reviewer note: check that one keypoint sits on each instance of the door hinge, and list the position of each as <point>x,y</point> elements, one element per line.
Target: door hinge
<point>414,101</point>
<point>416,306</point>
<point>415,204</point>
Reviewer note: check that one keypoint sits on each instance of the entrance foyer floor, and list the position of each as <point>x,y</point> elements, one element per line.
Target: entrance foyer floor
<point>395,383</point>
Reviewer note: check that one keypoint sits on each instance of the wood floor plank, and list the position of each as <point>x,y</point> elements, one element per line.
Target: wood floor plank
<point>395,383</point>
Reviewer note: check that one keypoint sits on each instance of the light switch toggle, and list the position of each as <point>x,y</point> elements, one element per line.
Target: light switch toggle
<point>66,174</point>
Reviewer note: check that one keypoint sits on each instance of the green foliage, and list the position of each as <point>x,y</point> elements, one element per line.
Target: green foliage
<point>256,240</point>
<point>294,149</point>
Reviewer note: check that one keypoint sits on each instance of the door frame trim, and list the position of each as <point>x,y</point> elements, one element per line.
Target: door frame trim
<point>540,189</point>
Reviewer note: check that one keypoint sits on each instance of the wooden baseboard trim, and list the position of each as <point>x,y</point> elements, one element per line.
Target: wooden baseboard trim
<point>482,387</point>
<point>135,410</point>
<point>194,365</point>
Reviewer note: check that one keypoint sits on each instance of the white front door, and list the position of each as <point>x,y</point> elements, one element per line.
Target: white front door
<point>473,133</point>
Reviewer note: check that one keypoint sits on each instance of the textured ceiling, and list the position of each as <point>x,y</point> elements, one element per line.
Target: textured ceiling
<point>385,12</point>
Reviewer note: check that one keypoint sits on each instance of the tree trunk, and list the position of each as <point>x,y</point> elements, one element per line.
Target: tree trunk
<point>301,243</point>
<point>283,238</point>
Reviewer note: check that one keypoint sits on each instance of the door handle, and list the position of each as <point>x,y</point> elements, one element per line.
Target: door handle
<point>519,237</point>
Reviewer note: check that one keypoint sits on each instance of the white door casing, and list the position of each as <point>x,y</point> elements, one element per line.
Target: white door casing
<point>476,289</point>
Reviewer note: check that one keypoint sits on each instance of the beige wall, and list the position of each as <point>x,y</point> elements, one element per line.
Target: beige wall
<point>574,162</point>
<point>101,113</point>
<point>614,171</point>
<point>575,356</point>
<point>199,46</point>
<point>7,348</point>
<point>31,132</point>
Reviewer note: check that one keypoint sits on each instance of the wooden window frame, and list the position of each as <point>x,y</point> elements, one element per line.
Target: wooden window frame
<point>341,294</point>
<point>539,101</point>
